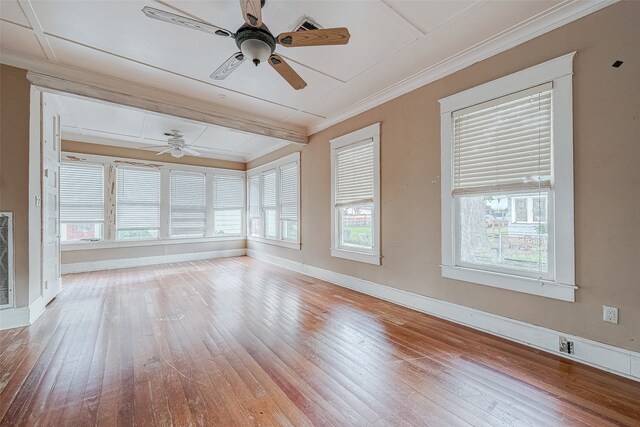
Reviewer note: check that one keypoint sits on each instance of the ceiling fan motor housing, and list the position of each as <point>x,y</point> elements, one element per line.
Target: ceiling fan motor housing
<point>256,44</point>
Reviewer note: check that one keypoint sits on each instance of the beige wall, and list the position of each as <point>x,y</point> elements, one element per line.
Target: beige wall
<point>130,153</point>
<point>14,168</point>
<point>607,184</point>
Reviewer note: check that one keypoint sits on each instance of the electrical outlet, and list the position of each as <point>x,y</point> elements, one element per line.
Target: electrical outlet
<point>566,346</point>
<point>610,314</point>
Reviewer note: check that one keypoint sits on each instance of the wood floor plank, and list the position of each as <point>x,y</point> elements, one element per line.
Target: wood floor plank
<point>236,342</point>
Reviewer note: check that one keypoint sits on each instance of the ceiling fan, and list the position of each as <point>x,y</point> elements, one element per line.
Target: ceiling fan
<point>255,40</point>
<point>176,145</point>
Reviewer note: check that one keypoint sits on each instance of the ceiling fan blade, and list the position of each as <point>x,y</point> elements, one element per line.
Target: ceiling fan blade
<point>165,151</point>
<point>252,12</point>
<point>321,37</point>
<point>172,18</point>
<point>228,66</point>
<point>287,72</point>
<point>190,151</point>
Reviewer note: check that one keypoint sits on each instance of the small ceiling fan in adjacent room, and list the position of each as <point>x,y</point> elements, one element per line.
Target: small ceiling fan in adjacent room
<point>176,146</point>
<point>255,40</point>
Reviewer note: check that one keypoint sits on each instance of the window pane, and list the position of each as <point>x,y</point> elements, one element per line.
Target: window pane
<point>137,234</point>
<point>255,224</point>
<point>270,222</point>
<point>228,222</point>
<point>81,193</point>
<point>81,202</point>
<point>187,204</point>
<point>500,232</point>
<point>138,203</point>
<point>78,232</point>
<point>289,230</point>
<point>356,227</point>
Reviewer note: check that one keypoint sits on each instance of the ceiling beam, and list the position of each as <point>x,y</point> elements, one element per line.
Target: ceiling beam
<point>57,78</point>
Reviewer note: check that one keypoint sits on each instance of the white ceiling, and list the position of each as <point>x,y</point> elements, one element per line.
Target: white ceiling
<point>391,41</point>
<point>97,122</point>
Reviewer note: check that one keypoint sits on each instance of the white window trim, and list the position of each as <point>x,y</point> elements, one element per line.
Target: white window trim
<point>559,71</point>
<point>274,165</point>
<point>371,132</point>
<point>165,169</point>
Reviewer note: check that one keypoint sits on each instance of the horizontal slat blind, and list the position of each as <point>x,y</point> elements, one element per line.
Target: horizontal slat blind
<point>228,192</point>
<point>81,193</point>
<point>188,204</point>
<point>138,199</point>
<point>354,174</point>
<point>504,144</point>
<point>269,189</point>
<point>254,196</point>
<point>289,192</point>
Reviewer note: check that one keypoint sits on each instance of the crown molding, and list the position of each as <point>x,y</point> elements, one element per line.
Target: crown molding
<point>518,34</point>
<point>58,78</point>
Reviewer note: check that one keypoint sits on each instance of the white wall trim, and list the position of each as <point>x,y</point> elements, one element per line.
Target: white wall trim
<point>81,267</point>
<point>602,356</point>
<point>75,81</point>
<point>23,316</point>
<point>515,36</point>
<point>14,317</point>
<point>36,309</point>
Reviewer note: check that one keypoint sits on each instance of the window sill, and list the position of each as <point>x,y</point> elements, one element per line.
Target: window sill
<point>64,247</point>
<point>511,282</point>
<point>283,243</point>
<point>356,256</point>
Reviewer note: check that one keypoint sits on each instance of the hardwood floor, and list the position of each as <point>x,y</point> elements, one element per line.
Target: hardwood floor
<point>239,342</point>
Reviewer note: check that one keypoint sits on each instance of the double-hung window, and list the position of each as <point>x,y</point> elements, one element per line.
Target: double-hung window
<point>81,202</point>
<point>138,203</point>
<point>269,205</point>
<point>274,202</point>
<point>228,205</point>
<point>355,171</point>
<point>507,184</point>
<point>289,202</point>
<point>188,204</point>
<point>255,218</point>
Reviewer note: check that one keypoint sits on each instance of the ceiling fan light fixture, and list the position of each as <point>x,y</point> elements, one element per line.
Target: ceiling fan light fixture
<point>256,50</point>
<point>177,152</point>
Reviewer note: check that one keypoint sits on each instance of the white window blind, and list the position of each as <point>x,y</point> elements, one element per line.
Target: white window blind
<point>289,201</point>
<point>354,174</point>
<point>188,204</point>
<point>504,144</point>
<point>269,197</point>
<point>254,196</point>
<point>269,189</point>
<point>228,205</point>
<point>254,205</point>
<point>81,193</point>
<point>289,192</point>
<point>138,202</point>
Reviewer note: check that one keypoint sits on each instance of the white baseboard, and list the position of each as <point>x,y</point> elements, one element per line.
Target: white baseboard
<point>36,309</point>
<point>82,267</point>
<point>603,356</point>
<point>14,317</point>
<point>22,316</point>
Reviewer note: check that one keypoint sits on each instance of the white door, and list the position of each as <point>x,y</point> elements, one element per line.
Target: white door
<point>50,199</point>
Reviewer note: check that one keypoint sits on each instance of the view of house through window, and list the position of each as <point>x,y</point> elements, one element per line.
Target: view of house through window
<point>509,231</point>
